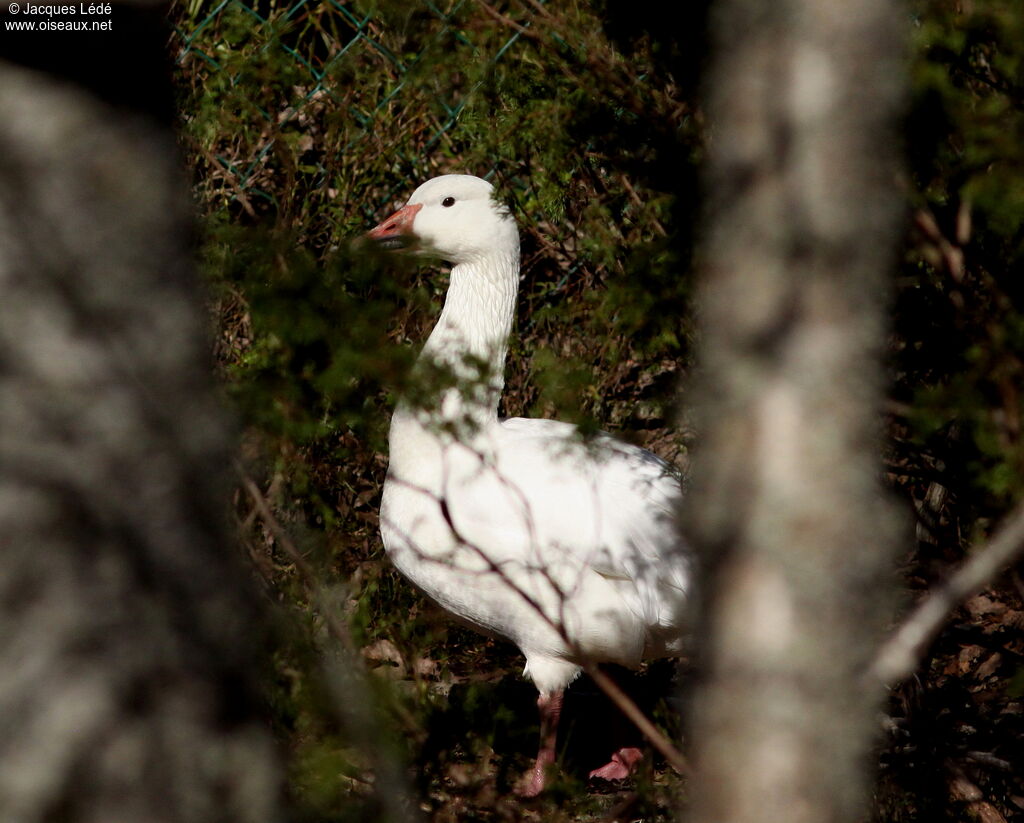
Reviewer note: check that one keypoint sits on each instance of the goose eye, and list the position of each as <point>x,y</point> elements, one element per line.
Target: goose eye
<point>448,201</point>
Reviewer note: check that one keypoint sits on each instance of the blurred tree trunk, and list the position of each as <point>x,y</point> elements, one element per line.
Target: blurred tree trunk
<point>125,636</point>
<point>795,535</point>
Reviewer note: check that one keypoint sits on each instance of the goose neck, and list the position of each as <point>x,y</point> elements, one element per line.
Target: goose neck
<point>470,340</point>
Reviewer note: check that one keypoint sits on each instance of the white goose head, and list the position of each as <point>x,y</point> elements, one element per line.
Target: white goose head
<point>454,217</point>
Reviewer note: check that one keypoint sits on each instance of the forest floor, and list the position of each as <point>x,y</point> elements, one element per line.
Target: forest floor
<point>951,747</point>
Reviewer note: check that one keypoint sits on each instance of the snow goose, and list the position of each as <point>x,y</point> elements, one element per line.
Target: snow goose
<point>522,527</point>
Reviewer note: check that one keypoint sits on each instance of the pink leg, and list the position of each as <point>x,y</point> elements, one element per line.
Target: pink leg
<point>621,766</point>
<point>550,707</point>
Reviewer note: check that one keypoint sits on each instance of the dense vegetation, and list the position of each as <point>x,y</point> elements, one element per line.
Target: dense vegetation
<point>305,123</point>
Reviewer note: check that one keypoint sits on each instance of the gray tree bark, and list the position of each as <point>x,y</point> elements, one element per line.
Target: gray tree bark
<point>795,536</point>
<point>125,634</point>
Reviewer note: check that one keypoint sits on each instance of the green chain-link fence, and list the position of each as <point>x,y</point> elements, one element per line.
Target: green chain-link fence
<point>302,68</point>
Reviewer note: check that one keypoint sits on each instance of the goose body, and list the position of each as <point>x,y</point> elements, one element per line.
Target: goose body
<point>521,527</point>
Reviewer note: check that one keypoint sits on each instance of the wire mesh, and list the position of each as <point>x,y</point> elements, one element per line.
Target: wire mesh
<point>308,59</point>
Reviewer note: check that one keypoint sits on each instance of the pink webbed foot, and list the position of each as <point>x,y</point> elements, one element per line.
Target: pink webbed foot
<point>621,766</point>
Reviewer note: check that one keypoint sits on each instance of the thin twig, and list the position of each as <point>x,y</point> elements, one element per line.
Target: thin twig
<point>314,591</point>
<point>283,539</point>
<point>632,711</point>
<point>903,650</point>
<point>229,179</point>
<point>346,679</point>
<point>541,9</point>
<point>640,203</point>
<point>508,21</point>
<point>611,689</point>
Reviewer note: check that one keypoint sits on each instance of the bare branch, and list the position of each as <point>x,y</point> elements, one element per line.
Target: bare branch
<point>347,680</point>
<point>507,21</point>
<point>611,689</point>
<point>901,653</point>
<point>639,719</point>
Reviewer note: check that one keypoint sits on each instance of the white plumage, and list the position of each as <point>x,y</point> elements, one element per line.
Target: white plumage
<point>521,527</point>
